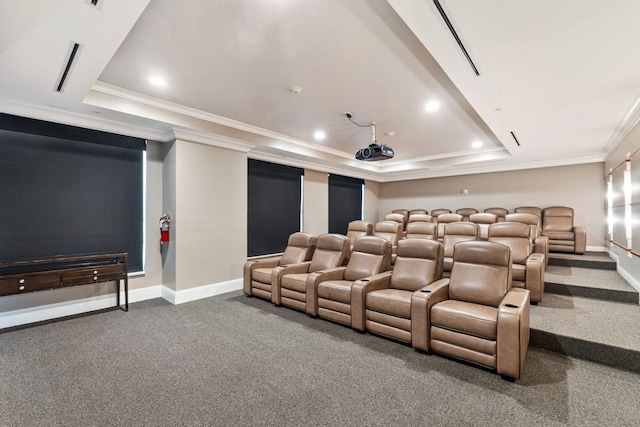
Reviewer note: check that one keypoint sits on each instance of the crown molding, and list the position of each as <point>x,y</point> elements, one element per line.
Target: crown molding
<point>56,115</point>
<point>626,125</point>
<point>211,139</point>
<point>457,171</point>
<point>173,107</point>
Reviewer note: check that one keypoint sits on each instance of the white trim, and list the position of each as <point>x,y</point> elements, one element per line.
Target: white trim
<point>68,308</point>
<point>628,277</point>
<point>56,115</point>
<point>206,291</point>
<point>212,139</point>
<point>596,249</point>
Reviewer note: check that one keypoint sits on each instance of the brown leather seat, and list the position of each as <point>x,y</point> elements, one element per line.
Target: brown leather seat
<point>396,217</point>
<point>453,233</point>
<point>540,243</point>
<point>422,230</point>
<point>474,315</point>
<point>437,212</point>
<point>420,218</point>
<point>383,304</point>
<point>484,220</point>
<point>444,219</point>
<point>359,228</point>
<point>557,225</point>
<point>418,211</point>
<point>528,267</point>
<point>258,273</point>
<point>501,213</point>
<point>289,283</point>
<point>466,212</point>
<point>391,231</point>
<point>329,291</point>
<point>529,209</point>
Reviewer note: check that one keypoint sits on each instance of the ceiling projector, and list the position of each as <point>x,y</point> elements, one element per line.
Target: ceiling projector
<point>373,152</point>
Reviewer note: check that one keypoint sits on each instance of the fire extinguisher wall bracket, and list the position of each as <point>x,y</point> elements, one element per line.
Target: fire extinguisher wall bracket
<point>165,227</point>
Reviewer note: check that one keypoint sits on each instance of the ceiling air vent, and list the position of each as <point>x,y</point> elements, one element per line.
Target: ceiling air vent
<point>515,139</point>
<point>455,36</point>
<point>66,69</point>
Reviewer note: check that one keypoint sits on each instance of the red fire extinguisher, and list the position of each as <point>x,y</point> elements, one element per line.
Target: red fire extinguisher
<point>165,226</point>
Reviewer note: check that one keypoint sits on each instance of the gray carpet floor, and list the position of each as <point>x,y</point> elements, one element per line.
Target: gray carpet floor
<point>233,361</point>
<point>587,256</point>
<point>587,277</point>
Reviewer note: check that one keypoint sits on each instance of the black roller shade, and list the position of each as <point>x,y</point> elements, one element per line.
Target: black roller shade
<point>345,202</point>
<point>274,199</point>
<point>74,191</point>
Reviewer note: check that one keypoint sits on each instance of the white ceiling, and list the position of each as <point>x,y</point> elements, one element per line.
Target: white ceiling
<point>561,75</point>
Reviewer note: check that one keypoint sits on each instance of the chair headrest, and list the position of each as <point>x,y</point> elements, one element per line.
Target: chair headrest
<point>525,218</point>
<point>461,229</point>
<point>497,211</point>
<point>388,227</point>
<point>509,229</point>
<point>360,226</point>
<point>331,242</point>
<point>558,211</point>
<point>482,252</point>
<point>419,248</point>
<point>449,217</point>
<point>370,244</point>
<point>483,218</point>
<point>301,239</point>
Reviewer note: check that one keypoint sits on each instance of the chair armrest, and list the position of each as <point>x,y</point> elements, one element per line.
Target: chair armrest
<point>359,292</point>
<point>421,302</point>
<point>249,266</point>
<point>541,246</point>
<point>276,278</point>
<point>312,286</point>
<point>580,244</point>
<point>534,280</point>
<point>513,332</point>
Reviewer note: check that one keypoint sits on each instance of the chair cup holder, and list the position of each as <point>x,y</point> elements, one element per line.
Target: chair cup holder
<point>511,306</point>
<point>364,280</point>
<point>426,291</point>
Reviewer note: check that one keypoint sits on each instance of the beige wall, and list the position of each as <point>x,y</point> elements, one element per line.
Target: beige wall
<point>371,201</point>
<point>210,214</point>
<point>580,187</point>
<point>316,202</point>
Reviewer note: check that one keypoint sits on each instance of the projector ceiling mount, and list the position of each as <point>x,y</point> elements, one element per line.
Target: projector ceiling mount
<point>373,152</point>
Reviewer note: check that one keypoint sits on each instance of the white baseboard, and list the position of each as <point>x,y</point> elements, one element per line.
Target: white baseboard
<point>200,292</point>
<point>621,271</point>
<point>68,308</point>
<point>596,249</point>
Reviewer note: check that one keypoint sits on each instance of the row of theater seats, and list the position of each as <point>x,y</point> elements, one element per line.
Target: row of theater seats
<point>474,315</point>
<point>529,251</point>
<point>556,223</point>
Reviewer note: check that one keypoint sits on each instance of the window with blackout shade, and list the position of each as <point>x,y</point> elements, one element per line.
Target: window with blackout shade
<point>345,202</point>
<point>69,191</point>
<point>274,198</point>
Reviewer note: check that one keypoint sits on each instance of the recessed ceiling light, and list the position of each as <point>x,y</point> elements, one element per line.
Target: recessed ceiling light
<point>432,106</point>
<point>157,81</point>
<point>476,144</point>
<point>319,135</point>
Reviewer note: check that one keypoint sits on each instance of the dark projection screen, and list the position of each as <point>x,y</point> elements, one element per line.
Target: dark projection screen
<point>69,193</point>
<point>274,194</point>
<point>345,202</point>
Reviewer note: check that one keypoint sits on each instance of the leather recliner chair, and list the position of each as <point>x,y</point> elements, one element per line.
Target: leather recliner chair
<point>289,283</point>
<point>540,243</point>
<point>466,212</point>
<point>403,212</point>
<point>557,225</point>
<point>501,213</point>
<point>383,303</point>
<point>475,315</point>
<point>258,274</point>
<point>444,219</point>
<point>329,291</point>
<point>454,233</point>
<point>359,228</point>
<point>391,231</point>
<point>437,212</point>
<point>484,220</point>
<point>396,217</point>
<point>528,267</point>
<point>420,218</point>
<point>422,230</point>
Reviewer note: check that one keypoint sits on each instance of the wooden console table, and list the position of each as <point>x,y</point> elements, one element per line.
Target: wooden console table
<point>61,272</point>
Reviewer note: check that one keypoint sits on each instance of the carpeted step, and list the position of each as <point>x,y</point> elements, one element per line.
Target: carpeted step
<point>595,260</point>
<point>589,283</point>
<point>599,331</point>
